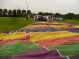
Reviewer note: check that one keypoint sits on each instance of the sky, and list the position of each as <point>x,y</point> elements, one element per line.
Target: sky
<point>53,6</point>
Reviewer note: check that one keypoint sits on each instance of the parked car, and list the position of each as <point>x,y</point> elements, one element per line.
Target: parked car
<point>57,18</point>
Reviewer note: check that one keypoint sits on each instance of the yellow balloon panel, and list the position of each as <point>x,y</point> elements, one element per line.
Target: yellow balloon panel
<point>14,35</point>
<point>38,36</point>
<point>77,26</point>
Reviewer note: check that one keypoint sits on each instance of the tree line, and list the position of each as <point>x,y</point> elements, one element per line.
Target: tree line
<point>64,16</point>
<point>14,13</point>
<point>23,13</point>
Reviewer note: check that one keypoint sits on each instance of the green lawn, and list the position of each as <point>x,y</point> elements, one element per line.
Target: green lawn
<point>17,48</point>
<point>68,49</point>
<point>71,21</point>
<point>13,23</point>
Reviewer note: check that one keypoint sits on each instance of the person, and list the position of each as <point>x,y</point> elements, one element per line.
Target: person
<point>36,18</point>
<point>27,17</point>
<point>49,20</point>
<point>52,18</point>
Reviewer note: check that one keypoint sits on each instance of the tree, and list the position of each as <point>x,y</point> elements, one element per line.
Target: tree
<point>77,16</point>
<point>29,12</point>
<point>19,12</point>
<point>1,12</point>
<point>5,12</point>
<point>69,16</point>
<point>40,13</point>
<point>10,13</point>
<point>14,13</point>
<point>57,15</point>
<point>23,13</point>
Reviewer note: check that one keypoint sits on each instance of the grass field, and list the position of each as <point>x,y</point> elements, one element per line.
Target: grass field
<point>68,49</point>
<point>13,23</point>
<point>17,48</point>
<point>76,22</point>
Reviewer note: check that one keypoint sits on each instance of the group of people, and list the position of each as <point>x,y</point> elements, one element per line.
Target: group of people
<point>36,18</point>
<point>48,18</point>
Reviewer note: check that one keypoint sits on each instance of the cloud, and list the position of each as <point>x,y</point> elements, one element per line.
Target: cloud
<point>63,6</point>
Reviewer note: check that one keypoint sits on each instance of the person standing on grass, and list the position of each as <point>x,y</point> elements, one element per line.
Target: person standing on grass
<point>52,18</point>
<point>27,17</point>
<point>36,18</point>
<point>49,20</point>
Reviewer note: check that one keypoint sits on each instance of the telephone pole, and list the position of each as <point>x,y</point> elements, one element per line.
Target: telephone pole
<point>26,2</point>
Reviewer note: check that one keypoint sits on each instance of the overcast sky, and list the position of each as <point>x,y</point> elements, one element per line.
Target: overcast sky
<point>61,6</point>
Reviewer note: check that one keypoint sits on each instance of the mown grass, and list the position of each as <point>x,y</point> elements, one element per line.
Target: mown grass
<point>17,48</point>
<point>13,23</point>
<point>68,49</point>
<point>74,21</point>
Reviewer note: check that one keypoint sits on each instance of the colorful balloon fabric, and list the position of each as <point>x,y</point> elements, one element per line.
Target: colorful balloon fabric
<point>38,34</point>
<point>58,41</point>
<point>39,54</point>
<point>42,31</point>
<point>7,38</point>
<point>73,30</point>
<point>74,57</point>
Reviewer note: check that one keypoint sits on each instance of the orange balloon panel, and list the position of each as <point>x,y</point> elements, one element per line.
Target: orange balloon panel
<point>39,36</point>
<point>58,41</point>
<point>22,36</point>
